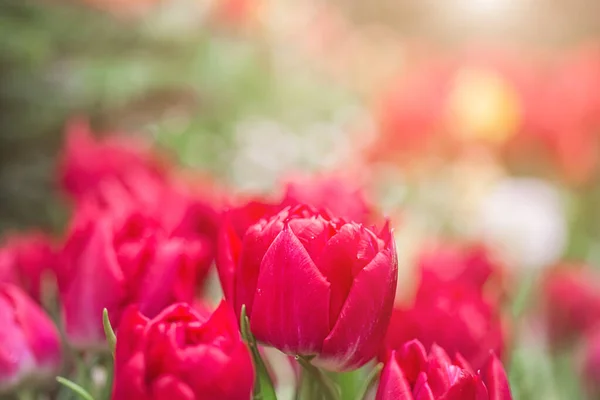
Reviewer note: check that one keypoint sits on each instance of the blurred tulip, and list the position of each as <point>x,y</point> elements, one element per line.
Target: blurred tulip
<point>181,354</point>
<point>312,284</point>
<point>182,209</point>
<point>87,162</point>
<point>25,259</point>
<point>571,302</point>
<point>342,198</point>
<point>456,317</point>
<point>411,374</point>
<point>447,264</point>
<point>112,262</point>
<point>29,341</point>
<point>410,115</point>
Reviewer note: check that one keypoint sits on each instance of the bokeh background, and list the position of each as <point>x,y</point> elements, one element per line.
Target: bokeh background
<point>463,119</point>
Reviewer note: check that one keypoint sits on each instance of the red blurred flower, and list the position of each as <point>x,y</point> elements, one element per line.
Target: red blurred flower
<point>571,302</point>
<point>120,176</point>
<point>112,262</point>
<point>339,196</point>
<point>411,374</point>
<point>24,259</point>
<point>181,354</point>
<point>410,115</point>
<point>313,285</point>
<point>30,343</point>
<point>456,317</point>
<point>88,162</point>
<point>448,264</point>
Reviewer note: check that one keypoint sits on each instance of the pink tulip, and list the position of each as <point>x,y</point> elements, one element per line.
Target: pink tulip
<point>312,284</point>
<point>29,341</point>
<point>112,262</point>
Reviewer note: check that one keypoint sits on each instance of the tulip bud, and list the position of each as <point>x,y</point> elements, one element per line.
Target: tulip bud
<point>313,285</point>
<point>411,374</point>
<point>110,262</point>
<point>181,354</point>
<point>30,343</point>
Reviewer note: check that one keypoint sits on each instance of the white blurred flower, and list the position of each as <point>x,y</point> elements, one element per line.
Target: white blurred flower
<point>525,219</point>
<point>268,149</point>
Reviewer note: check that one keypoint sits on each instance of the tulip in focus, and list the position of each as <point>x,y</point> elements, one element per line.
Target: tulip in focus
<point>456,317</point>
<point>112,262</point>
<point>312,284</point>
<point>411,374</point>
<point>181,354</point>
<point>24,259</point>
<point>29,341</point>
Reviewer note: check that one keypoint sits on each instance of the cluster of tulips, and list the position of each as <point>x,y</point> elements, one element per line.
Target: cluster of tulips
<point>540,111</point>
<point>306,273</point>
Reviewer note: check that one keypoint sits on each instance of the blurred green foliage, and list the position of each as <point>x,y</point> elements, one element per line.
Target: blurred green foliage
<point>184,81</point>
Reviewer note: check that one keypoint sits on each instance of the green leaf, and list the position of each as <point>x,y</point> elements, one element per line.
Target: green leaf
<point>74,387</point>
<point>263,386</point>
<point>111,338</point>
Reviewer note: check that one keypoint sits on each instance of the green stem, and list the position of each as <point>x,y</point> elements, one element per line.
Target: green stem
<point>263,386</point>
<point>369,382</point>
<point>326,387</point>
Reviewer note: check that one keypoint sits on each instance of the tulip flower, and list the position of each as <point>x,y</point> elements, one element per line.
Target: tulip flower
<point>471,324</point>
<point>87,162</point>
<point>448,264</point>
<point>112,262</point>
<point>411,374</point>
<point>24,259</point>
<point>571,303</point>
<point>313,285</point>
<point>29,341</point>
<point>181,354</point>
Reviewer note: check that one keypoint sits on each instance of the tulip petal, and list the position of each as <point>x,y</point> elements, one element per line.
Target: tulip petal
<point>42,336</point>
<point>412,357</point>
<point>170,277</point>
<point>256,242</point>
<point>290,310</point>
<point>494,377</point>
<point>422,390</point>
<point>466,387</point>
<point>393,384</point>
<point>96,283</point>
<point>130,332</point>
<point>129,379</point>
<point>359,331</point>
<point>170,388</point>
<point>228,255</point>
<point>240,364</point>
<point>344,257</point>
